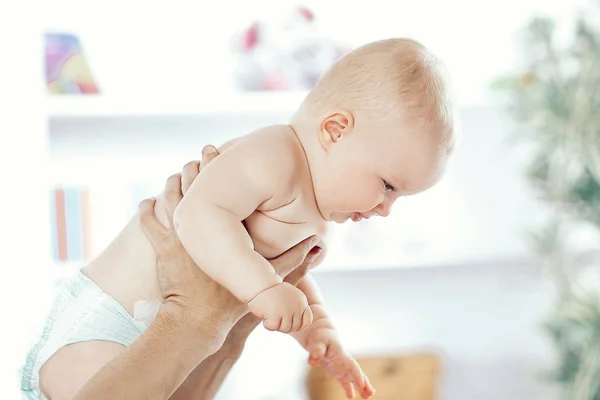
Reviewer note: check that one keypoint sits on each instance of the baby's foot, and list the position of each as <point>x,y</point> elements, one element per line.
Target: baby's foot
<point>325,350</point>
<point>283,308</point>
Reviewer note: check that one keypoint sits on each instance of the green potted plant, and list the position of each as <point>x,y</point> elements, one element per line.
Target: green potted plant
<point>556,104</point>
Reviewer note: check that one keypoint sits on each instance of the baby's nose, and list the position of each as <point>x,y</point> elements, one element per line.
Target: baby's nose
<point>383,209</point>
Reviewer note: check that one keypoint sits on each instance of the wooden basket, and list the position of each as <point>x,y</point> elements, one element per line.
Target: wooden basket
<point>410,377</point>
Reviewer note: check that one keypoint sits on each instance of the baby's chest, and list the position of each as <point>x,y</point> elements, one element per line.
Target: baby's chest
<point>274,232</point>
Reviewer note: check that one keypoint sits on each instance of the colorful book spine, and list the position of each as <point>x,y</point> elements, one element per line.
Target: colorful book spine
<point>70,224</point>
<point>87,224</point>
<point>84,220</point>
<point>54,218</point>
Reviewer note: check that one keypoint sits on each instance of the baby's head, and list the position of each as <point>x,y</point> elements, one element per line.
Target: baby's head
<point>385,128</point>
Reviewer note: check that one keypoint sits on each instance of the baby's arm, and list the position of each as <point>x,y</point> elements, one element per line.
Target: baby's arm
<point>209,222</point>
<point>325,348</point>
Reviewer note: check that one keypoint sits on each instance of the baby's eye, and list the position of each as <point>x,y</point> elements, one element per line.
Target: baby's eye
<point>388,187</point>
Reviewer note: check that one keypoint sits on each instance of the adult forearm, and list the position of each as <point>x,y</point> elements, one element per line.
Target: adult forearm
<point>155,365</point>
<point>207,378</point>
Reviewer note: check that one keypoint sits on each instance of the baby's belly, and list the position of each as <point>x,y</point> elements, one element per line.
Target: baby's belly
<point>272,237</point>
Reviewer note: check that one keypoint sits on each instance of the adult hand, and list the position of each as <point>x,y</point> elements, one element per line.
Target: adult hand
<point>184,286</point>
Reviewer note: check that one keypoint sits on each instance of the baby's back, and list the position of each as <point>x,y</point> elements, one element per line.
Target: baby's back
<point>126,270</point>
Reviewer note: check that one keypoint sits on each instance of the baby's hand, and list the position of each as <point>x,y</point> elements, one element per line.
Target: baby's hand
<point>326,350</point>
<point>283,308</point>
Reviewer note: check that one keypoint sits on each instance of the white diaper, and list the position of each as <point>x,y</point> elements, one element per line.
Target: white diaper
<point>81,312</point>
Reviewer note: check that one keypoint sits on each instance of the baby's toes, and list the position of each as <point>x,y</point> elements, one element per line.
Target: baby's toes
<point>349,389</point>
<point>355,372</point>
<point>317,352</point>
<point>367,391</point>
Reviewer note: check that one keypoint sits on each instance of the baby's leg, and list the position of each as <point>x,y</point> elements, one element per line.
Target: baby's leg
<point>325,349</point>
<point>320,318</point>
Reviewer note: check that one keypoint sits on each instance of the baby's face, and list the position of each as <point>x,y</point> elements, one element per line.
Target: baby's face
<point>370,169</point>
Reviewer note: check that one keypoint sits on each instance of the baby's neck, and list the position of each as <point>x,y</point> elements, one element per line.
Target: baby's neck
<point>306,131</point>
<point>304,128</point>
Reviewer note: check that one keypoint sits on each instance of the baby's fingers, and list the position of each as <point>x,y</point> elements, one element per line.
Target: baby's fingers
<point>273,324</point>
<point>306,319</point>
<point>153,229</point>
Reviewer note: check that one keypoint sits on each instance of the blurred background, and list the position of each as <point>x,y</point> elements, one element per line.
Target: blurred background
<point>484,287</point>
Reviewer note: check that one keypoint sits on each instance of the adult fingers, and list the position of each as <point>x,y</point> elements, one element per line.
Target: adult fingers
<point>153,229</point>
<point>294,257</point>
<point>172,195</point>
<point>296,275</point>
<point>189,173</point>
<point>209,153</point>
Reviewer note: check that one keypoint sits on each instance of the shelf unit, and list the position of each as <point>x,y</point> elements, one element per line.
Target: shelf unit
<point>126,138</point>
<point>87,127</point>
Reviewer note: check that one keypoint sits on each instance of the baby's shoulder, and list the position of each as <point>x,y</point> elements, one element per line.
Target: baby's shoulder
<point>276,154</point>
<point>276,148</point>
<point>273,137</point>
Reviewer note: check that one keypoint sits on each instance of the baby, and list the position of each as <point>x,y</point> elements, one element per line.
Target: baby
<point>377,126</point>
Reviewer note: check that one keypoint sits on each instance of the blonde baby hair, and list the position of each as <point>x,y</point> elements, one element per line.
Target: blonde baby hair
<point>389,78</point>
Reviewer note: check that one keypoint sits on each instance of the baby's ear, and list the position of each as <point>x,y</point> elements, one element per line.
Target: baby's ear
<point>334,127</point>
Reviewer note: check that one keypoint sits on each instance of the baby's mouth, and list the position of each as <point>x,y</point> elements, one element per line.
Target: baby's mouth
<point>357,217</point>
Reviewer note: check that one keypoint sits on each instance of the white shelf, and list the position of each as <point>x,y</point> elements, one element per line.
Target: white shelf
<point>189,105</point>
<point>101,106</point>
<point>64,269</point>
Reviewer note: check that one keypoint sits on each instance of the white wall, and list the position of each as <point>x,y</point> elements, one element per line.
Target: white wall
<point>165,47</point>
<point>483,320</point>
<point>24,239</point>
